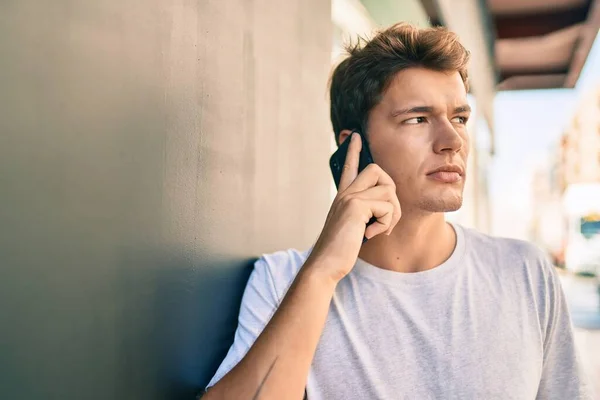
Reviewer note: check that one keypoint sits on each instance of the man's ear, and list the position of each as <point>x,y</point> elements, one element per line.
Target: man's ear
<point>344,135</point>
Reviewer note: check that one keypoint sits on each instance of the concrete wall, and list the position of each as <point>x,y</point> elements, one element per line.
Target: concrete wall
<point>148,151</point>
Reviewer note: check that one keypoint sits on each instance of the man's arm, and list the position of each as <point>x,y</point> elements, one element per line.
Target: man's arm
<point>562,374</point>
<point>277,365</point>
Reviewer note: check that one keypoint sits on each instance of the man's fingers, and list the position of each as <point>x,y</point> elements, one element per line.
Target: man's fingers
<point>374,186</point>
<point>397,213</point>
<point>395,218</point>
<point>350,169</point>
<point>386,193</point>
<point>384,212</point>
<point>372,176</point>
<point>380,192</point>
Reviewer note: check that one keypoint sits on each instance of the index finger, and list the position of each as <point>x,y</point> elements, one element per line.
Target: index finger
<point>373,175</point>
<point>350,169</point>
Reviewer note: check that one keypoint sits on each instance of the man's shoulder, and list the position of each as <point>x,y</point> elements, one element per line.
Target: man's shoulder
<point>281,267</point>
<point>506,250</point>
<point>284,262</point>
<point>517,266</point>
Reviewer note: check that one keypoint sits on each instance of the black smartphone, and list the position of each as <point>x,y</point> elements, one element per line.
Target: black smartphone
<point>338,158</point>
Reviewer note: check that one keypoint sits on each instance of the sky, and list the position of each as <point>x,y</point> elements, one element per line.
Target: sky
<point>527,125</point>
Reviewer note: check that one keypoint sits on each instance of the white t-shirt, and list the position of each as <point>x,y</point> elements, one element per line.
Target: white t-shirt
<point>489,323</point>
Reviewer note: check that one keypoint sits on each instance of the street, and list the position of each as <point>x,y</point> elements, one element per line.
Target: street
<point>584,304</point>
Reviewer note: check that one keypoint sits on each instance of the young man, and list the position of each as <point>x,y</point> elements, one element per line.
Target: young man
<point>424,309</point>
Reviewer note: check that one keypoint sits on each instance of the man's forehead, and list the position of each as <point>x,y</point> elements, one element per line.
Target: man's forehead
<point>417,86</point>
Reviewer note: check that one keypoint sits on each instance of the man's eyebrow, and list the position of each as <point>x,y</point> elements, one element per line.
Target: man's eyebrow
<point>428,109</point>
<point>413,110</point>
<point>462,109</point>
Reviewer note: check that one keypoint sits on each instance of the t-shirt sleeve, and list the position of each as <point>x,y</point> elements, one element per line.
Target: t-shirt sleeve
<point>259,303</point>
<point>562,374</point>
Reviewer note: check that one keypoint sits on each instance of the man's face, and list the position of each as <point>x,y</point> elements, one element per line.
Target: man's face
<point>418,128</point>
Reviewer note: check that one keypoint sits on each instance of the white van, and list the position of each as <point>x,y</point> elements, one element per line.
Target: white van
<point>582,212</point>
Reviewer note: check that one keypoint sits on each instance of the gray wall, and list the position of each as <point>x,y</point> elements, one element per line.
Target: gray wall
<point>149,150</point>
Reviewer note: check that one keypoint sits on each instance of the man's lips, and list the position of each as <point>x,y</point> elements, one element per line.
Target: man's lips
<point>447,174</point>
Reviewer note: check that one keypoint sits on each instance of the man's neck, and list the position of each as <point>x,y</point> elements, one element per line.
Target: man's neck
<point>417,243</point>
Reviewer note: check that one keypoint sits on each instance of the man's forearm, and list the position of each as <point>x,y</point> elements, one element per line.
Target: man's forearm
<point>277,365</point>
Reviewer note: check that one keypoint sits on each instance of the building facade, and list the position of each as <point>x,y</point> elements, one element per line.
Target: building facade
<point>580,144</point>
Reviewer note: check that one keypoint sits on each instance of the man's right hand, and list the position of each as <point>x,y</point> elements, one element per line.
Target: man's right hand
<point>372,193</point>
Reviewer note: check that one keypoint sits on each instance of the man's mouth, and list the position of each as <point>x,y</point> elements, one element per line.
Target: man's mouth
<point>447,174</point>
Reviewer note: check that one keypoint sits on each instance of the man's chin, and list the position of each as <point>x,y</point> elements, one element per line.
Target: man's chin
<point>441,204</point>
<point>452,208</point>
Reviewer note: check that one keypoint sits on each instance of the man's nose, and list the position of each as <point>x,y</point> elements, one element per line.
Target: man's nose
<point>447,138</point>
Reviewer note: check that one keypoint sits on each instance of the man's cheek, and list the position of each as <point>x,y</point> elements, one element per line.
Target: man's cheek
<point>398,177</point>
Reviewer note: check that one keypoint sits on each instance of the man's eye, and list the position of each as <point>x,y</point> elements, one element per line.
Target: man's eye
<point>415,121</point>
<point>460,120</point>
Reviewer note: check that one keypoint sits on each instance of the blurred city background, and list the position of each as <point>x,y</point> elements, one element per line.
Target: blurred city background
<point>150,150</point>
